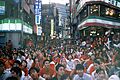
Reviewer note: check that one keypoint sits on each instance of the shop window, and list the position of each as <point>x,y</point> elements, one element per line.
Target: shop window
<point>118,14</point>
<point>109,12</point>
<point>94,10</point>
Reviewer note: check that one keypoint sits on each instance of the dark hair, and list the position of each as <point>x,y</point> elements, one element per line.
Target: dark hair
<point>58,66</point>
<point>96,61</point>
<point>35,69</point>
<point>12,78</point>
<point>79,67</point>
<point>99,70</point>
<point>45,61</point>
<point>18,62</point>
<point>17,70</point>
<point>25,62</point>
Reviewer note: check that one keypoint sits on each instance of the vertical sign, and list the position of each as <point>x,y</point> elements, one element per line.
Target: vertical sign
<point>39,30</point>
<point>52,27</point>
<point>38,11</point>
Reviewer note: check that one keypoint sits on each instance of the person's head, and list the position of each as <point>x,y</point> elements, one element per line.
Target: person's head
<point>24,64</point>
<point>80,69</point>
<point>17,63</point>
<point>1,67</point>
<point>69,57</point>
<point>92,56</point>
<point>60,69</point>
<point>101,73</point>
<point>96,64</point>
<point>9,40</point>
<point>36,60</point>
<point>63,62</point>
<point>46,63</point>
<point>77,61</point>
<point>30,57</point>
<point>34,73</point>
<point>16,72</point>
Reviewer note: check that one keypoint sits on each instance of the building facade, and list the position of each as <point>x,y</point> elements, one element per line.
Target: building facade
<point>95,17</point>
<point>16,22</point>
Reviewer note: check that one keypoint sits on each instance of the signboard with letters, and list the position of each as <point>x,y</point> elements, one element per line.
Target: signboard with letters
<point>38,11</point>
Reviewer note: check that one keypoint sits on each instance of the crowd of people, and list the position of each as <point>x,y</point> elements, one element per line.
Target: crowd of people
<point>95,58</point>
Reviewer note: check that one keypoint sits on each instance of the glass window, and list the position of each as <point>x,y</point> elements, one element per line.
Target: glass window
<point>118,15</point>
<point>84,13</point>
<point>108,12</point>
<point>94,10</point>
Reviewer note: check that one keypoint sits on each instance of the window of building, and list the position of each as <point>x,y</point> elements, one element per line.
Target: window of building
<point>118,14</point>
<point>84,13</point>
<point>108,12</point>
<point>94,10</point>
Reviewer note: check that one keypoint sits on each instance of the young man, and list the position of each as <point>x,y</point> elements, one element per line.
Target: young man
<point>80,73</point>
<point>47,72</point>
<point>16,72</point>
<point>60,70</point>
<point>34,74</point>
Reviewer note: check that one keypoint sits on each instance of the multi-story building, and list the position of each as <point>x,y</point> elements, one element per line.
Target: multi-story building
<point>62,19</point>
<point>95,17</point>
<point>16,21</point>
<point>57,13</point>
<point>49,22</point>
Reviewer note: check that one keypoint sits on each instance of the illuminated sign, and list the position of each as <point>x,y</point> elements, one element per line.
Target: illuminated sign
<point>52,27</point>
<point>14,25</point>
<point>37,6</point>
<point>39,30</point>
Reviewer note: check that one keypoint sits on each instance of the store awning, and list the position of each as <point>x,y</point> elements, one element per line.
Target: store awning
<point>98,22</point>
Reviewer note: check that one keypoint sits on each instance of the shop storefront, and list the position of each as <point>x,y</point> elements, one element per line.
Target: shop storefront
<point>11,29</point>
<point>96,17</point>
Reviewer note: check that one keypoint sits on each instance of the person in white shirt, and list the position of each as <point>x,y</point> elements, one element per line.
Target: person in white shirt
<point>80,73</point>
<point>29,61</point>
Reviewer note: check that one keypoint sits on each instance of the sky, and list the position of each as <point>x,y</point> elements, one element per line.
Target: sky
<point>55,1</point>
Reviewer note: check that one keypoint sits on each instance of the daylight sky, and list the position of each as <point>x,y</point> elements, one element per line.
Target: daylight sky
<point>55,1</point>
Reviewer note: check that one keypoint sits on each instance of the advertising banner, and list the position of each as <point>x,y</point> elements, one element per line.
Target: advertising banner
<point>37,6</point>
<point>39,30</point>
<point>52,27</point>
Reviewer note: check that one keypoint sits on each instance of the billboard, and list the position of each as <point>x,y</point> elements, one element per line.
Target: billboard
<point>2,7</point>
<point>37,6</point>
<point>52,27</point>
<point>39,30</point>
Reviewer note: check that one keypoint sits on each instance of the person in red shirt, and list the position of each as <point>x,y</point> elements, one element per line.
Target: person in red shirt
<point>24,67</point>
<point>47,72</point>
